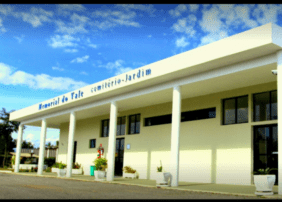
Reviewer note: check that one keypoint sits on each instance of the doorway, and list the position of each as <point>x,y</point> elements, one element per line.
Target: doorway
<point>119,156</point>
<point>265,148</point>
<point>74,151</point>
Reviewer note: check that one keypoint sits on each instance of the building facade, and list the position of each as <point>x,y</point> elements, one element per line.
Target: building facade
<point>208,115</point>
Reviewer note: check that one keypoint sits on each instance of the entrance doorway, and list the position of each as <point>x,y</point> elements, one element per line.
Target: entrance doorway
<point>265,148</point>
<point>74,151</point>
<point>119,156</point>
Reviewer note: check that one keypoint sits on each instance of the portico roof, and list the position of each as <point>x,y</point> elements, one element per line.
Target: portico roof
<point>241,60</point>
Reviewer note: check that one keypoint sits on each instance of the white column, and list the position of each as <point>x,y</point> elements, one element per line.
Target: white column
<point>48,153</point>
<point>175,131</point>
<point>70,143</point>
<point>42,147</point>
<point>112,142</point>
<point>279,106</point>
<point>19,148</point>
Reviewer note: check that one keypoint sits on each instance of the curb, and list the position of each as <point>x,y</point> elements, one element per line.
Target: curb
<point>150,186</point>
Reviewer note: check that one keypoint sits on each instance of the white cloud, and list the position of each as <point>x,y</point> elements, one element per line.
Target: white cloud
<point>80,60</point>
<point>122,70</point>
<point>186,25</point>
<point>84,73</point>
<point>66,9</point>
<point>218,21</point>
<point>77,25</point>
<point>178,10</point>
<point>149,36</point>
<point>70,50</point>
<point>31,138</point>
<point>181,42</point>
<point>52,139</point>
<point>92,45</point>
<point>36,16</point>
<point>20,39</point>
<point>116,66</point>
<point>110,18</point>
<point>193,7</point>
<point>8,76</point>
<point>63,41</point>
<point>2,29</point>
<point>141,7</point>
<point>58,68</point>
<point>267,13</point>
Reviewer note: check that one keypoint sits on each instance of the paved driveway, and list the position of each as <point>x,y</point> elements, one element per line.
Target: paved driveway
<point>31,187</point>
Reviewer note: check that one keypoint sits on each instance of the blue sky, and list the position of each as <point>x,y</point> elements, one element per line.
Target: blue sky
<point>49,50</point>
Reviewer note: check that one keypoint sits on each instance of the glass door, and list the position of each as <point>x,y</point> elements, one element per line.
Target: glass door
<point>119,156</point>
<point>265,148</point>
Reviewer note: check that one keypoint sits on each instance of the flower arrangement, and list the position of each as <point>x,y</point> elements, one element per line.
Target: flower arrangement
<point>160,169</point>
<point>128,169</point>
<point>100,164</point>
<point>76,166</point>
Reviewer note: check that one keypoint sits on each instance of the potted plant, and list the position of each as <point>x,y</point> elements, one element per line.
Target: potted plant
<point>264,181</point>
<point>129,172</point>
<point>62,171</point>
<point>76,169</point>
<point>162,178</point>
<point>101,165</point>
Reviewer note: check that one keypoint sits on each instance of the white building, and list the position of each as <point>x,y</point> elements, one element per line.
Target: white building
<point>208,114</point>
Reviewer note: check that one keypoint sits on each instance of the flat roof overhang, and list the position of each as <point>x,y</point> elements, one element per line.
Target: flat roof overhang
<point>261,42</point>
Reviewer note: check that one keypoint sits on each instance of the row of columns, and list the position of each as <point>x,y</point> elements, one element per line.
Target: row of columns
<point>175,131</point>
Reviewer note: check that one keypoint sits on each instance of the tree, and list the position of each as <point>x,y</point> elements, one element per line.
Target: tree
<point>27,145</point>
<point>7,127</point>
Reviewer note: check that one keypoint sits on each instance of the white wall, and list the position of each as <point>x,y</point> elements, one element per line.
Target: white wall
<point>209,151</point>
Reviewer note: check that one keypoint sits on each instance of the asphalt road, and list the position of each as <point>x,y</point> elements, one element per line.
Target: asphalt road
<point>31,187</point>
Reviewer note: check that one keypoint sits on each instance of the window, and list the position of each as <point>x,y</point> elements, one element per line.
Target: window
<point>185,116</point>
<point>235,110</point>
<point>134,124</point>
<point>92,143</point>
<point>105,128</point>
<point>158,120</point>
<point>121,125</point>
<point>265,106</point>
<point>198,114</point>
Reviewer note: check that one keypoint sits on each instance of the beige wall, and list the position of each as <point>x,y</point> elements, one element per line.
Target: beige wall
<point>209,151</point>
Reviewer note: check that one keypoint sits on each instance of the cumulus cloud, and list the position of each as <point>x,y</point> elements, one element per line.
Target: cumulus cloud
<point>58,69</point>
<point>8,76</point>
<point>178,10</point>
<point>63,41</point>
<point>77,24</point>
<point>111,18</point>
<point>116,66</point>
<point>186,25</point>
<point>70,50</point>
<point>36,16</point>
<point>67,9</point>
<point>181,42</point>
<point>80,59</point>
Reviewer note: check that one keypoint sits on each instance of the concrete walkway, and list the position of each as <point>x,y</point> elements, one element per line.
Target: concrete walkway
<point>238,190</point>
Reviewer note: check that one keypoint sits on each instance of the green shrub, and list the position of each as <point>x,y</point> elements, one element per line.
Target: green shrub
<point>49,161</point>
<point>101,163</point>
<point>55,165</point>
<point>48,170</point>
<point>62,165</point>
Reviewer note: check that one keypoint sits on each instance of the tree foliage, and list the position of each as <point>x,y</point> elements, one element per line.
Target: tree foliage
<point>7,127</point>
